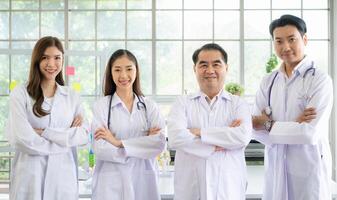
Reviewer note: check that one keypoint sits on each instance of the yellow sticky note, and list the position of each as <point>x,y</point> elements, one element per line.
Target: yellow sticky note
<point>12,85</point>
<point>77,87</point>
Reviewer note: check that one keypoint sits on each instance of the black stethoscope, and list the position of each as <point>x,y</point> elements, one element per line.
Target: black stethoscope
<point>140,104</point>
<point>268,109</point>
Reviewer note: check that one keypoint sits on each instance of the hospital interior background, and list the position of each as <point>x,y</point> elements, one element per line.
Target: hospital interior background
<point>163,35</point>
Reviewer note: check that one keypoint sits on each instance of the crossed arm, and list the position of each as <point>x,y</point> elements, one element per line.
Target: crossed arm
<point>306,116</point>
<point>197,132</point>
<point>77,122</point>
<point>105,134</point>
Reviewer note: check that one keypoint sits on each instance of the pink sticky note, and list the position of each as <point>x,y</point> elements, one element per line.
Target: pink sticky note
<point>70,70</point>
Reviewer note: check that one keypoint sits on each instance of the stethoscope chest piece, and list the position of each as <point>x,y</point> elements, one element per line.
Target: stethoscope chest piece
<point>268,111</point>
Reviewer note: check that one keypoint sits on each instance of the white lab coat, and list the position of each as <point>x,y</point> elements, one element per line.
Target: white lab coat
<point>128,173</point>
<point>200,172</point>
<point>297,155</point>
<point>45,167</point>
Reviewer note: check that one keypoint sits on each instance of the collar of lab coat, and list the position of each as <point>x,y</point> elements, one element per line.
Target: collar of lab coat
<point>300,68</point>
<point>223,94</point>
<point>116,100</point>
<point>304,65</point>
<point>61,90</point>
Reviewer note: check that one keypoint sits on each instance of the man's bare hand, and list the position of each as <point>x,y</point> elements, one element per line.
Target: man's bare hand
<point>307,116</point>
<point>258,121</point>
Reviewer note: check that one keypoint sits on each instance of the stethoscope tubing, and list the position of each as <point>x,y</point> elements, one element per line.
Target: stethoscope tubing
<point>276,74</point>
<point>140,104</point>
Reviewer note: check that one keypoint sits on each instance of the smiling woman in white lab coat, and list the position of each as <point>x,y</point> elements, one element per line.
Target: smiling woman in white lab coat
<point>44,127</point>
<point>128,135</point>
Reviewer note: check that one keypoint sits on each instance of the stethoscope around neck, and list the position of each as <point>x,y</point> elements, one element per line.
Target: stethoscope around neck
<point>268,109</point>
<point>140,104</point>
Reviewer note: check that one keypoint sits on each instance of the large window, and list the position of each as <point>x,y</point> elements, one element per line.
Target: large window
<point>161,33</point>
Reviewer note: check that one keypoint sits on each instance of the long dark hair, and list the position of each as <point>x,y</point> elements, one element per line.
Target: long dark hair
<point>35,76</point>
<point>109,86</point>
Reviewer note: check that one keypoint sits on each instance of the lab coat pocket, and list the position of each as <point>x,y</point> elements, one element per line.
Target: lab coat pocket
<point>303,160</point>
<point>109,185</point>
<point>235,177</point>
<point>233,185</point>
<point>303,175</point>
<point>61,178</point>
<point>148,187</point>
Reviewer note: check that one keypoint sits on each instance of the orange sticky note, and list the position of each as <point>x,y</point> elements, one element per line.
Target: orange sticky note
<point>70,70</point>
<point>76,86</point>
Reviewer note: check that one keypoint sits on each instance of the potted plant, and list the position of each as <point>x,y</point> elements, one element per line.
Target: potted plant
<point>234,88</point>
<point>272,63</point>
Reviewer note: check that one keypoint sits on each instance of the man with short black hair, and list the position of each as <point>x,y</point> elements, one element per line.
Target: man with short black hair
<point>209,131</point>
<point>292,111</point>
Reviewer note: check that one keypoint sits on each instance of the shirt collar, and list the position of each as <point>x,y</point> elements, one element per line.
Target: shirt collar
<point>223,94</point>
<point>305,65</point>
<point>300,68</point>
<point>116,100</point>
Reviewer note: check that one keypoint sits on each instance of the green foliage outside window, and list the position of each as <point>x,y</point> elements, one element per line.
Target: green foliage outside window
<point>234,88</point>
<point>272,63</point>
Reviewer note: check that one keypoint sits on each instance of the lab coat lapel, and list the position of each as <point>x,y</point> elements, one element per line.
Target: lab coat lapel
<point>59,102</point>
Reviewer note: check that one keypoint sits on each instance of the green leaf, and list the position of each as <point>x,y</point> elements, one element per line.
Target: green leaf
<point>272,63</point>
<point>234,88</point>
